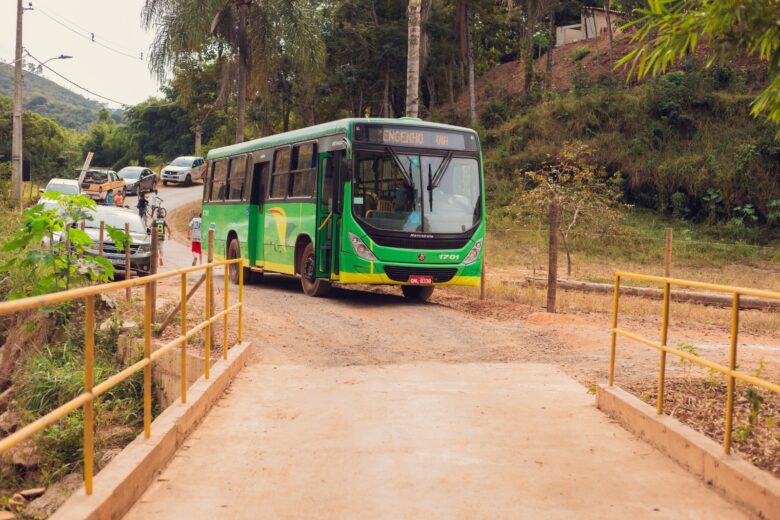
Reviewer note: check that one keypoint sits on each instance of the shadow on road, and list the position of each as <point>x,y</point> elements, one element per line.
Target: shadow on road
<point>352,297</point>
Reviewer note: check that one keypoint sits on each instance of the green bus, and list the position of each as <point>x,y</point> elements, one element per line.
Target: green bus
<point>355,201</point>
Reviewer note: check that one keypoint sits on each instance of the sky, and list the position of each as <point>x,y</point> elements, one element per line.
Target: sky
<point>56,27</point>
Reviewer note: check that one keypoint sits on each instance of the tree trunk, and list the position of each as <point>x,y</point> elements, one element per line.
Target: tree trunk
<point>413,60</point>
<point>243,70</point>
<point>387,110</point>
<point>609,32</point>
<point>550,47</point>
<point>565,237</point>
<point>552,264</point>
<point>470,60</point>
<point>198,139</point>
<point>451,83</point>
<point>528,73</point>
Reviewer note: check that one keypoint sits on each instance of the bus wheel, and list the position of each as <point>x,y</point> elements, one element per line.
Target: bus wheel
<point>250,277</point>
<point>416,292</point>
<point>312,285</point>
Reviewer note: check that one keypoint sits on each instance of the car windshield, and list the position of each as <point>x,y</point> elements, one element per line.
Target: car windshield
<point>61,187</point>
<point>417,193</point>
<point>117,219</point>
<point>128,173</point>
<point>182,161</point>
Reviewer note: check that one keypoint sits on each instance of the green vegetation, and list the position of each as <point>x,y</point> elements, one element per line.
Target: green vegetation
<point>684,144</point>
<point>580,53</point>
<point>50,253</point>
<point>53,375</point>
<point>50,100</point>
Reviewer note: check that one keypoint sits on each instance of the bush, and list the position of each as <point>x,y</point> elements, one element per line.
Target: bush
<point>580,53</point>
<point>495,113</point>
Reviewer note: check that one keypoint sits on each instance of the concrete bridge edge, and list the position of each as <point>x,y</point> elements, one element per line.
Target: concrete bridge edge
<point>120,484</point>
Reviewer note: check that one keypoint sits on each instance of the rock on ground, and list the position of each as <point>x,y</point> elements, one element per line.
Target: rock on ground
<point>44,506</point>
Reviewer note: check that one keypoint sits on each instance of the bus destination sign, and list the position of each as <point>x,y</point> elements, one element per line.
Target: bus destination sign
<point>419,138</point>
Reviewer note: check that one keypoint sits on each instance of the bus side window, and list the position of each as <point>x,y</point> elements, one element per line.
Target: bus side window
<point>327,184</point>
<point>259,180</point>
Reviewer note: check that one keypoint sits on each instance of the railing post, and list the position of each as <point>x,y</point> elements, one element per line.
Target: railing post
<point>147,356</point>
<point>664,331</point>
<point>614,328</point>
<point>89,380</point>
<point>209,303</point>
<point>732,367</point>
<point>240,336</point>
<point>226,269</point>
<point>183,374</point>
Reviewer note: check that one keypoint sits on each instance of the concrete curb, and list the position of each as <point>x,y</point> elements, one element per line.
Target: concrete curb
<point>124,480</point>
<point>733,477</point>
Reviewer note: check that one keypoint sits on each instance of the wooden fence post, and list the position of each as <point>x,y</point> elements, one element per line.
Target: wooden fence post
<point>668,254</point>
<point>552,263</point>
<point>128,261</point>
<point>101,236</point>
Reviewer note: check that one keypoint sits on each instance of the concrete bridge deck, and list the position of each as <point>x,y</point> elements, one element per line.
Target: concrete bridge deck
<point>426,440</point>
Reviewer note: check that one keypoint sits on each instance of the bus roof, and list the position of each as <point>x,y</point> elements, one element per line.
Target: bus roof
<point>322,130</point>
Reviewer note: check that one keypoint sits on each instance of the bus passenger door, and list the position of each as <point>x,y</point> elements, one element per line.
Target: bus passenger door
<point>257,212</point>
<point>326,219</point>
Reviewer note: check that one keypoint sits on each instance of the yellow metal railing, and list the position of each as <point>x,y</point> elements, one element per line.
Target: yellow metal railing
<point>730,371</point>
<point>92,390</point>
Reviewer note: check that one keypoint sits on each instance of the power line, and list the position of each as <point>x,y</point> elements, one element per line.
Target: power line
<point>89,37</point>
<point>42,64</point>
<point>87,31</point>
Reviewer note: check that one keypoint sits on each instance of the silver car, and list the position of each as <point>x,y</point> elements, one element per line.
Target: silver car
<point>182,170</point>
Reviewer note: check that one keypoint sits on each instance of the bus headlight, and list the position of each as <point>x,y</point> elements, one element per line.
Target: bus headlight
<point>473,254</point>
<point>360,248</point>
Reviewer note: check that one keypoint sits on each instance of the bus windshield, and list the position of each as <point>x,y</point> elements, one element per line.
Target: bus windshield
<point>417,193</point>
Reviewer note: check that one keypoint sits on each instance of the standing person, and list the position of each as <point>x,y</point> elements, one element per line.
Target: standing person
<point>195,236</point>
<point>161,226</point>
<point>119,199</point>
<point>110,198</point>
<point>142,203</point>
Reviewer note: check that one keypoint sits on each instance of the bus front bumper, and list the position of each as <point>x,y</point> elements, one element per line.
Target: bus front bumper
<point>377,273</point>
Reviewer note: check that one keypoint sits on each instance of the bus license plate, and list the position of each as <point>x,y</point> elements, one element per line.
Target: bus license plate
<point>417,279</point>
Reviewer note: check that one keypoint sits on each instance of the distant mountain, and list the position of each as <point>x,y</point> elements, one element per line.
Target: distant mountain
<point>49,99</point>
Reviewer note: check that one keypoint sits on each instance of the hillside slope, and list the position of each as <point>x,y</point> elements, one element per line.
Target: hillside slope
<point>49,99</point>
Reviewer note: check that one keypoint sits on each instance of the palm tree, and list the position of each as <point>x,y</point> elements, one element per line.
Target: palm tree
<point>413,60</point>
<point>250,37</point>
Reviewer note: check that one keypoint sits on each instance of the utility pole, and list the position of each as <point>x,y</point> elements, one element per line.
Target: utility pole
<point>16,147</point>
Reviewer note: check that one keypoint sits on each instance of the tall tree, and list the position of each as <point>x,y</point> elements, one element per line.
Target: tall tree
<point>413,60</point>
<point>255,33</point>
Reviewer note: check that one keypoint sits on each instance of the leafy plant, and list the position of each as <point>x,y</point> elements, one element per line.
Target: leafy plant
<point>713,201</point>
<point>53,252</point>
<point>580,53</point>
<point>773,210</point>
<point>744,215</point>
<point>690,349</point>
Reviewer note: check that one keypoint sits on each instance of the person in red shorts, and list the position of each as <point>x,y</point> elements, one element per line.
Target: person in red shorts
<point>195,236</point>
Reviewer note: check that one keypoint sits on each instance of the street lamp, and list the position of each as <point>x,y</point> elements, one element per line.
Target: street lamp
<point>60,57</point>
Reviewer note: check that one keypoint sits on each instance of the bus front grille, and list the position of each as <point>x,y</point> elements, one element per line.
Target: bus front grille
<point>402,274</point>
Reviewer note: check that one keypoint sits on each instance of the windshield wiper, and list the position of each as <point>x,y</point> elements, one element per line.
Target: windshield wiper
<point>435,179</point>
<point>397,160</point>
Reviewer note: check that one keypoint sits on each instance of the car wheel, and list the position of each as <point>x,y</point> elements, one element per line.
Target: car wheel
<point>188,181</point>
<point>312,286</point>
<point>415,292</point>
<point>165,183</point>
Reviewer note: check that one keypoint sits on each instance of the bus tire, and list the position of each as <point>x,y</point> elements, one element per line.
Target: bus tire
<point>250,277</point>
<point>312,286</point>
<point>416,292</point>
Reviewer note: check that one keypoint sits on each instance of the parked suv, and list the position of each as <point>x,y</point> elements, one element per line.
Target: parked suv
<point>182,170</point>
